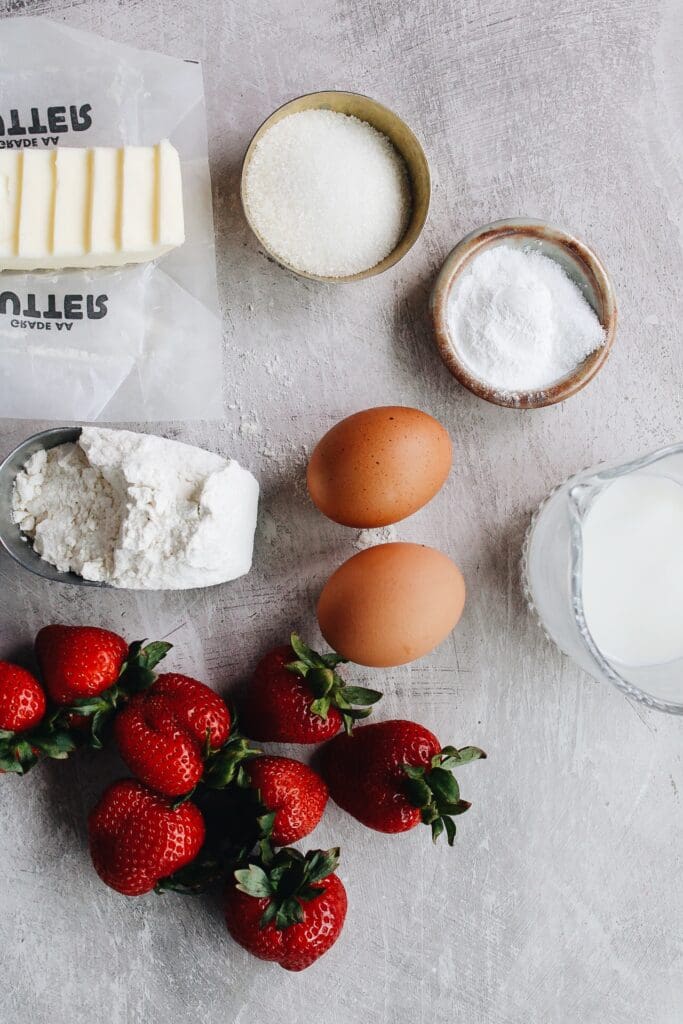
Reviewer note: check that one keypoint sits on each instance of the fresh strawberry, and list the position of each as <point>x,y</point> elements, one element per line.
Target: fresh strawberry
<point>295,696</point>
<point>393,775</point>
<point>137,838</point>
<point>90,671</point>
<point>290,909</point>
<point>79,661</point>
<point>166,733</point>
<point>22,701</point>
<point>292,795</point>
<point>26,734</point>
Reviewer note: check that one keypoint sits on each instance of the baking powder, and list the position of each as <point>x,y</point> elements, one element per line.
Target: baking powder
<point>518,322</point>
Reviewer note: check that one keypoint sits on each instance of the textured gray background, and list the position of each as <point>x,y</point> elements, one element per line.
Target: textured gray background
<point>562,901</point>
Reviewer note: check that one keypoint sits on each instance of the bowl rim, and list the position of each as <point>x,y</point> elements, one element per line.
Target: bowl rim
<point>415,225</point>
<point>461,256</point>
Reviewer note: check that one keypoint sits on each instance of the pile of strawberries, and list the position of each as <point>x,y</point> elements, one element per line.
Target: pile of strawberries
<point>203,805</point>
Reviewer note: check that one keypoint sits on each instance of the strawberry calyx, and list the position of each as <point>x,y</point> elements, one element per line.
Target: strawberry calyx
<point>137,674</point>
<point>327,686</point>
<point>194,879</point>
<point>226,765</point>
<point>435,791</point>
<point>20,751</point>
<point>286,879</point>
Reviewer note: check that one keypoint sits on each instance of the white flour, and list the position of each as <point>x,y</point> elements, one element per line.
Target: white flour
<point>138,511</point>
<point>518,321</point>
<point>381,535</point>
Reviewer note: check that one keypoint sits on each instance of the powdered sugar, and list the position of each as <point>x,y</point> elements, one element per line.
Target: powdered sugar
<point>518,322</point>
<point>138,511</point>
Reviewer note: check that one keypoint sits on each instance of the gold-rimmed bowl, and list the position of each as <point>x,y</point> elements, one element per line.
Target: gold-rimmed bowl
<point>580,264</point>
<point>403,140</point>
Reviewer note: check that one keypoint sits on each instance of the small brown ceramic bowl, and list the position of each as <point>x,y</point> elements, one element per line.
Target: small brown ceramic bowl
<point>405,143</point>
<point>578,261</point>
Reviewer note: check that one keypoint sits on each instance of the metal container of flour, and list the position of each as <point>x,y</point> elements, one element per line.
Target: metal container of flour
<point>406,146</point>
<point>581,268</point>
<point>11,538</point>
<point>137,511</point>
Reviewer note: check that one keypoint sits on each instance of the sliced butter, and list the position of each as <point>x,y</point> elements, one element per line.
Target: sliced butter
<point>94,207</point>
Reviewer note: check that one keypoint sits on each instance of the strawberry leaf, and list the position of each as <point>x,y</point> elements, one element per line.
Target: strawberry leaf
<point>321,707</point>
<point>321,681</point>
<point>193,879</point>
<point>332,660</point>
<point>361,695</point>
<point>137,672</point>
<point>57,745</point>
<point>300,668</point>
<point>444,786</point>
<point>253,881</point>
<point>435,790</point>
<point>150,656</point>
<point>327,686</point>
<point>437,828</point>
<point>286,880</point>
<point>418,792</point>
<point>451,757</point>
<point>226,765</point>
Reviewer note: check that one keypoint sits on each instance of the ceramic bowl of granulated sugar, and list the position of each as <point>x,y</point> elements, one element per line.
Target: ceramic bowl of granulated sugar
<point>335,187</point>
<point>524,314</point>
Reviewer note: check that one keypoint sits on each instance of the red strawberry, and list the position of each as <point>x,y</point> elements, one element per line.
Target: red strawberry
<point>26,734</point>
<point>393,775</point>
<point>138,838</point>
<point>292,795</point>
<point>22,701</point>
<point>90,671</point>
<point>295,696</point>
<point>290,909</point>
<point>165,734</point>
<point>22,708</point>
<point>79,661</point>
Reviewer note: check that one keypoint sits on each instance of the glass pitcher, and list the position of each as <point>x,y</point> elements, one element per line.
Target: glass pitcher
<point>552,578</point>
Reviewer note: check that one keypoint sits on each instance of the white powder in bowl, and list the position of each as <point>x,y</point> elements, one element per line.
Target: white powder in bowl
<point>518,322</point>
<point>327,193</point>
<point>138,511</point>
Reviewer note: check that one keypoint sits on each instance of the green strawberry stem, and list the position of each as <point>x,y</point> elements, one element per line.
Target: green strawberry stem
<point>435,791</point>
<point>19,752</point>
<point>328,687</point>
<point>285,879</point>
<point>137,674</point>
<point>194,878</point>
<point>226,766</point>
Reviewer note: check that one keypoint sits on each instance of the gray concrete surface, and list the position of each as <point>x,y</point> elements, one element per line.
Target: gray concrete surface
<point>561,903</point>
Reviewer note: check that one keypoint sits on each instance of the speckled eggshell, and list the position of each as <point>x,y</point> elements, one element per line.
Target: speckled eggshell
<point>379,466</point>
<point>391,604</point>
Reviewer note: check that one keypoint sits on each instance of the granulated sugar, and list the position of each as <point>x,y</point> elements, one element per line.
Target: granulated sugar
<point>328,193</point>
<point>519,322</point>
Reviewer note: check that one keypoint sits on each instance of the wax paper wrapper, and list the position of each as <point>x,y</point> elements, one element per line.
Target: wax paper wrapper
<point>141,342</point>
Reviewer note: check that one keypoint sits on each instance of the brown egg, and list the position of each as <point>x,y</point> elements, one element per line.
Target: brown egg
<point>391,604</point>
<point>379,466</point>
